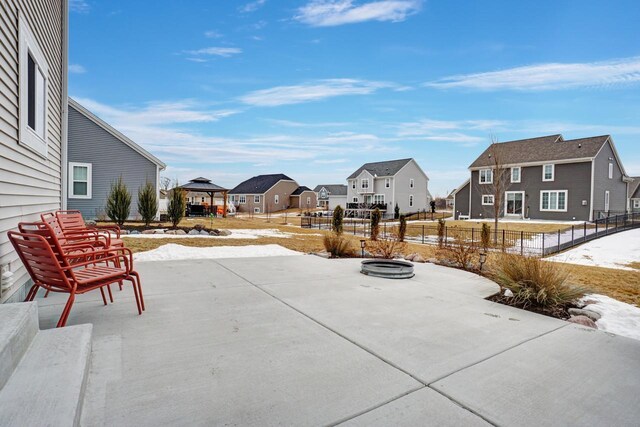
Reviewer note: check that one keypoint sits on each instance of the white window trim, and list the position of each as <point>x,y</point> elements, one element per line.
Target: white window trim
<point>553,172</point>
<point>354,184</point>
<point>486,181</point>
<point>256,199</point>
<point>89,167</point>
<point>636,203</point>
<point>411,183</point>
<point>308,200</point>
<point>566,200</point>
<point>355,199</point>
<point>276,199</point>
<point>379,197</point>
<point>362,181</point>
<point>610,170</point>
<point>513,181</point>
<point>27,43</point>
<point>486,203</point>
<point>411,200</point>
<point>387,183</point>
<point>242,199</point>
<point>607,201</point>
<point>256,210</point>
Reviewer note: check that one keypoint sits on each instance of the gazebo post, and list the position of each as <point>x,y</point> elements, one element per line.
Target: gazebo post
<point>211,205</point>
<point>224,211</point>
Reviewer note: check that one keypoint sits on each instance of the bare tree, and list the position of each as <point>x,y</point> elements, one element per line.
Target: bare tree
<point>165,183</point>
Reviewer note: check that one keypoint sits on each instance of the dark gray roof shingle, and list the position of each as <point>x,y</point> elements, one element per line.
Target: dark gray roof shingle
<point>333,189</point>
<point>542,149</point>
<point>386,168</point>
<point>201,184</point>
<point>259,184</point>
<point>298,191</point>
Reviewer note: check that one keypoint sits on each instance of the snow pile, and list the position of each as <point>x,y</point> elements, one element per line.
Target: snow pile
<point>172,252</point>
<point>615,251</point>
<point>239,233</point>
<point>617,317</point>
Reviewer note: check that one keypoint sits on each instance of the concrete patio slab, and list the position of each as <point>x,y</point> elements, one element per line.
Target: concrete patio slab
<point>420,408</point>
<point>572,376</point>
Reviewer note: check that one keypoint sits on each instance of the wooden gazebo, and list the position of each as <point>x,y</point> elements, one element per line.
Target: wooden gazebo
<point>204,185</point>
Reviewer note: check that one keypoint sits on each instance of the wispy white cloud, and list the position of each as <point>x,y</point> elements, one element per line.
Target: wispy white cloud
<point>294,124</point>
<point>549,76</point>
<point>79,6</point>
<point>329,161</point>
<point>77,69</point>
<point>327,13</point>
<point>224,52</point>
<point>313,91</point>
<point>252,6</point>
<point>212,34</point>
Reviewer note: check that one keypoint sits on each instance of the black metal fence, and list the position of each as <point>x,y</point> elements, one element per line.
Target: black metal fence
<point>513,241</point>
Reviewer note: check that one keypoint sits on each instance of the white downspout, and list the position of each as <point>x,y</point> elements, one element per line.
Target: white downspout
<point>64,135</point>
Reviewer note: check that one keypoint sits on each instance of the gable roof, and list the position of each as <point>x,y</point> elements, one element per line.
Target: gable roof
<point>117,134</point>
<point>542,149</point>
<point>259,184</point>
<point>464,184</point>
<point>386,168</point>
<point>634,188</point>
<point>333,189</point>
<point>298,191</point>
<point>202,184</point>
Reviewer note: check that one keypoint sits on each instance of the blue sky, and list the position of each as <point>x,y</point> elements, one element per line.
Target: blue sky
<point>313,89</point>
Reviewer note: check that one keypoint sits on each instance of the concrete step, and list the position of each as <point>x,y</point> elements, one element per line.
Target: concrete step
<point>18,327</point>
<point>47,387</point>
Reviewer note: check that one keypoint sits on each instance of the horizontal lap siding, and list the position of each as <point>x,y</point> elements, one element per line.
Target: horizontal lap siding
<point>29,185</point>
<point>110,159</point>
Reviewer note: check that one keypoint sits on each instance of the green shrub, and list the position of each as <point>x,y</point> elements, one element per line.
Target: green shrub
<point>337,245</point>
<point>375,224</point>
<point>535,282</point>
<point>485,235</point>
<point>147,203</point>
<point>338,216</point>
<point>177,205</point>
<point>402,228</point>
<point>118,202</point>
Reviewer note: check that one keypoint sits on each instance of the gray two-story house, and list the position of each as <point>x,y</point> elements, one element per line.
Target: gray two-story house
<point>547,178</point>
<point>331,195</point>
<point>384,185</point>
<point>634,194</point>
<point>98,156</point>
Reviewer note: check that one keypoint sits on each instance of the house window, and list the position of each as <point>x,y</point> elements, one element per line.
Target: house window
<point>555,201</point>
<point>387,183</point>
<point>232,198</point>
<point>33,93</point>
<point>548,172</point>
<point>355,200</point>
<point>515,175</point>
<point>353,184</point>
<point>610,170</point>
<point>487,199</point>
<point>607,199</point>
<point>411,183</point>
<point>203,200</point>
<point>486,176</point>
<point>79,180</point>
<point>276,199</point>
<point>378,198</point>
<point>411,200</point>
<point>308,201</point>
<point>323,194</point>
<point>256,199</point>
<point>365,183</point>
<point>636,204</point>
<point>256,210</point>
<point>242,199</point>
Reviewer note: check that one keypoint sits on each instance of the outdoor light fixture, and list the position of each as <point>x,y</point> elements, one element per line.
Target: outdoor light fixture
<point>483,259</point>
<point>362,243</point>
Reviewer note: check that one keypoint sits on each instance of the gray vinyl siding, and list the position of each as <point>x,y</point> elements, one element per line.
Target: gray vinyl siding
<point>461,204</point>
<point>574,177</point>
<point>401,189</point>
<point>29,185</point>
<point>616,186</point>
<point>110,158</point>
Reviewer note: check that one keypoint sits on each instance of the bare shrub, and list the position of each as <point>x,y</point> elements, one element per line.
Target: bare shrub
<point>459,251</point>
<point>402,228</point>
<point>441,231</point>
<point>386,248</point>
<point>338,246</point>
<point>535,283</point>
<point>376,216</point>
<point>485,236</point>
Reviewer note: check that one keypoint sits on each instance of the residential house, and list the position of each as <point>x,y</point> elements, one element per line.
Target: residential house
<point>304,198</point>
<point>98,156</point>
<point>634,195</point>
<point>331,195</point>
<point>33,120</point>
<point>546,178</point>
<point>266,193</point>
<point>386,184</point>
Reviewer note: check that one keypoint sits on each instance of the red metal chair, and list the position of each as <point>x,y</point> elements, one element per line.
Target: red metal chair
<point>55,273</point>
<point>73,221</point>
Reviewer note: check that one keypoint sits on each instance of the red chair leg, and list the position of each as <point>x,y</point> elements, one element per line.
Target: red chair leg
<point>110,294</point>
<point>104,299</point>
<point>136,294</point>
<point>137,276</point>
<point>66,311</point>
<point>32,293</point>
<point>46,294</point>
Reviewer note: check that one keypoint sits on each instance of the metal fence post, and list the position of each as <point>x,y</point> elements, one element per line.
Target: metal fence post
<point>542,244</point>
<point>445,235</point>
<point>584,234</point>
<point>472,235</point>
<point>606,224</point>
<point>503,247</point>
<point>558,240</point>
<point>572,234</point>
<point>522,243</point>
<point>422,233</point>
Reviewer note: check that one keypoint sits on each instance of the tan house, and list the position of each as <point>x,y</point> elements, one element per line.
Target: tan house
<point>269,193</point>
<point>304,198</point>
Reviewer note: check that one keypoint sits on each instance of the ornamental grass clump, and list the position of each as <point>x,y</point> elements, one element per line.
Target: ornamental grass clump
<point>337,245</point>
<point>535,283</point>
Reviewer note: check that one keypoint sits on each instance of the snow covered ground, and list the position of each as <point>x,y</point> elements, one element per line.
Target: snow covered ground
<point>615,251</point>
<point>617,317</point>
<point>172,252</point>
<point>240,233</point>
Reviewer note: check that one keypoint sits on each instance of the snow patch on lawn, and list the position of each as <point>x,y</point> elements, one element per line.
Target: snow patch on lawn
<point>173,252</point>
<point>239,233</point>
<point>617,317</point>
<point>615,251</point>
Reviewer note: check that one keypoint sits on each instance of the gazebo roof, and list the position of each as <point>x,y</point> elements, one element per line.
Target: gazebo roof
<point>203,185</point>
